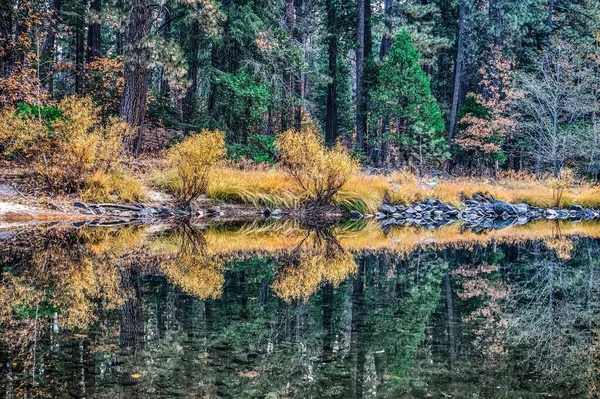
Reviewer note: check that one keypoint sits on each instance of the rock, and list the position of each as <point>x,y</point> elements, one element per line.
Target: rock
<point>81,205</point>
<point>276,212</point>
<point>388,222</point>
<point>165,211</point>
<point>379,216</point>
<point>576,208</point>
<point>471,203</point>
<point>88,212</point>
<point>451,213</point>
<point>146,212</point>
<point>551,214</point>
<point>398,215</point>
<point>562,214</point>
<point>418,208</point>
<point>355,215</point>
<point>386,208</point>
<point>180,213</point>
<point>522,209</point>
<point>501,207</point>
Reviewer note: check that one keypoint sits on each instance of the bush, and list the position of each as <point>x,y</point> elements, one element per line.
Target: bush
<point>319,171</point>
<point>193,160</point>
<point>66,145</point>
<point>105,186</point>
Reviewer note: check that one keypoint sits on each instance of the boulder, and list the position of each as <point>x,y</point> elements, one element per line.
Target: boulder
<point>81,205</point>
<point>576,208</point>
<point>355,215</point>
<point>386,208</point>
<point>522,209</point>
<point>501,207</point>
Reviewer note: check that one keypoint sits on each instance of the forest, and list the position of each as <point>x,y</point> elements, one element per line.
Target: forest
<point>465,87</point>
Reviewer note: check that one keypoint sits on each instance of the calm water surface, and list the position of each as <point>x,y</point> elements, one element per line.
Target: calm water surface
<point>293,312</point>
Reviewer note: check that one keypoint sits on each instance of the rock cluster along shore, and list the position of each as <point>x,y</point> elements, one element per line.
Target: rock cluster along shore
<point>135,211</point>
<point>478,213</point>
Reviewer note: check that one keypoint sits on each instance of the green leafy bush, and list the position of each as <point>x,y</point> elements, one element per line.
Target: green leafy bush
<point>260,149</point>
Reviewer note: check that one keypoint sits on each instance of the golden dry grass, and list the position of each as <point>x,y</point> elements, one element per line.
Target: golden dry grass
<point>272,187</point>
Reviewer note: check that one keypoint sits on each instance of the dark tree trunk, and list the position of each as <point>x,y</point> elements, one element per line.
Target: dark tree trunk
<point>386,40</point>
<point>133,102</point>
<point>331,128</point>
<point>189,104</point>
<point>48,48</point>
<point>549,20</point>
<point>361,112</point>
<point>386,45</point>
<point>79,44</point>
<point>299,78</point>
<point>287,116</point>
<point>458,66</point>
<point>93,37</point>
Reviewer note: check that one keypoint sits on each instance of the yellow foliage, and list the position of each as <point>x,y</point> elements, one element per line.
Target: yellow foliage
<point>193,159</point>
<point>317,260</point>
<point>67,152</point>
<point>105,186</point>
<point>319,171</point>
<point>259,187</point>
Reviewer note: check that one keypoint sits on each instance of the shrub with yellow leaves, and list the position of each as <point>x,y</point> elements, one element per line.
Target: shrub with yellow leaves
<point>319,171</point>
<point>193,160</point>
<point>66,145</point>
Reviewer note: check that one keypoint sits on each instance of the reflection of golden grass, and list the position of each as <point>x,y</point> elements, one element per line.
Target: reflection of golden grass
<point>261,239</point>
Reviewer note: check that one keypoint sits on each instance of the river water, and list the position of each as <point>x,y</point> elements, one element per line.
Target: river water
<point>282,310</point>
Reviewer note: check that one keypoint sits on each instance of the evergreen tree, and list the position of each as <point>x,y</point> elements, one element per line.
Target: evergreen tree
<point>404,96</point>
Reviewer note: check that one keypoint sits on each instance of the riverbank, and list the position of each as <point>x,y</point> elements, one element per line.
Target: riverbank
<point>244,192</point>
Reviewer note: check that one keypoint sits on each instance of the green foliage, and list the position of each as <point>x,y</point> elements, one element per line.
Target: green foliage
<point>404,97</point>
<point>260,149</point>
<point>243,102</point>
<point>48,114</point>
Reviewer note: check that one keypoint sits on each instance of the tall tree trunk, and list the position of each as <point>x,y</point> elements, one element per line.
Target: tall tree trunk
<point>287,116</point>
<point>189,104</point>
<point>299,78</point>
<point>79,44</point>
<point>458,66</point>
<point>331,128</point>
<point>549,20</point>
<point>361,120</point>
<point>48,48</point>
<point>386,45</point>
<point>133,102</point>
<point>94,37</point>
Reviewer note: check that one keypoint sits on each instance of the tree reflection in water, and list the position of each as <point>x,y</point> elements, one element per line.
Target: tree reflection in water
<point>114,312</point>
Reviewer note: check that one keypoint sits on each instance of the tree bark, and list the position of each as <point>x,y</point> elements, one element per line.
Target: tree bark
<point>386,45</point>
<point>287,117</point>
<point>361,121</point>
<point>79,44</point>
<point>299,78</point>
<point>458,66</point>
<point>549,20</point>
<point>94,37</point>
<point>133,102</point>
<point>189,104</point>
<point>331,128</point>
<point>48,48</point>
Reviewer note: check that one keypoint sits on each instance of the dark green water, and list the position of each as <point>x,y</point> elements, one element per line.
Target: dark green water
<point>501,321</point>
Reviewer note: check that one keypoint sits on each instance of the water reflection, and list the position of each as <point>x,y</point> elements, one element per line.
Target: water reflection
<point>288,310</point>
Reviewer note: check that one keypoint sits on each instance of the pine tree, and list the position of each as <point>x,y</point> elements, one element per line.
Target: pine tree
<point>404,95</point>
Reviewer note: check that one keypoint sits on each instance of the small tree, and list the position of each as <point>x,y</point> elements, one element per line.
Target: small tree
<point>556,106</point>
<point>193,159</point>
<point>319,171</point>
<point>487,123</point>
<point>407,107</point>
